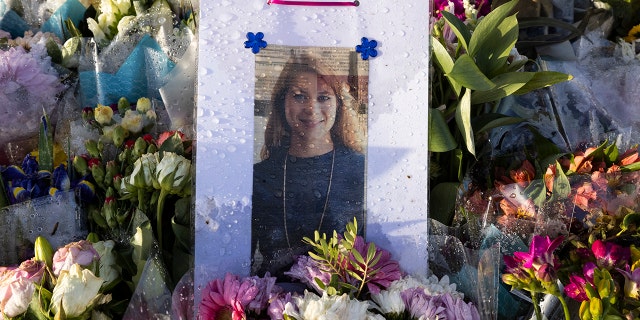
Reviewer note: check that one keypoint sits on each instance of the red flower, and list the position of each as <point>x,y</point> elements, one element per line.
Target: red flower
<point>609,254</point>
<point>540,252</point>
<point>129,144</point>
<point>166,135</point>
<point>93,162</point>
<point>575,289</point>
<point>148,138</point>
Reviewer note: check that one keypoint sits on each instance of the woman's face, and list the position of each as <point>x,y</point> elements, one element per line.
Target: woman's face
<point>310,107</point>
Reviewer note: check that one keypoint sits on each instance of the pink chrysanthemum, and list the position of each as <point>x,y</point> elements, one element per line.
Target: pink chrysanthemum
<point>22,71</point>
<point>227,299</point>
<point>307,271</point>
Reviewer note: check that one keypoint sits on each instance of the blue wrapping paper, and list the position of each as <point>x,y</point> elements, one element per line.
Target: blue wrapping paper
<point>11,22</point>
<point>141,75</point>
<point>71,9</point>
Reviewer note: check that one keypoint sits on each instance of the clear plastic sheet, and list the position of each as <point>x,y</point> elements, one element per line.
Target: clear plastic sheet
<point>600,102</point>
<point>59,219</point>
<point>471,255</point>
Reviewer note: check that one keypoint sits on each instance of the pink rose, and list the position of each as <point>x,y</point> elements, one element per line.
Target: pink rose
<point>34,269</point>
<point>16,291</point>
<point>81,252</point>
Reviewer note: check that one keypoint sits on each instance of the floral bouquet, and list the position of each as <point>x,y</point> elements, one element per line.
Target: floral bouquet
<point>343,277</point>
<point>134,180</point>
<point>141,49</point>
<point>78,281</point>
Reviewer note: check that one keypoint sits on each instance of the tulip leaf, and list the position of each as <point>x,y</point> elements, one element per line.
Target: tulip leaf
<point>490,121</point>
<point>444,60</point>
<point>459,28</point>
<point>611,153</point>
<point>537,192</point>
<point>561,185</point>
<point>45,144</point>
<point>543,79</point>
<point>466,72</point>
<point>463,120</point>
<point>505,85</point>
<point>494,37</point>
<point>4,200</point>
<point>442,199</point>
<point>631,167</point>
<point>440,137</point>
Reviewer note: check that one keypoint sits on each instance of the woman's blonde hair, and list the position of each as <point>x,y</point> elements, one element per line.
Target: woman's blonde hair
<point>346,130</point>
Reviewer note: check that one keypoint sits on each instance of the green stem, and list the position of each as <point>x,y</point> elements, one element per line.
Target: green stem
<point>536,305</point>
<point>565,307</point>
<point>159,210</point>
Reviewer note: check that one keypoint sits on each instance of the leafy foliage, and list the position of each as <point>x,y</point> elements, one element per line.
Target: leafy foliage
<point>355,266</point>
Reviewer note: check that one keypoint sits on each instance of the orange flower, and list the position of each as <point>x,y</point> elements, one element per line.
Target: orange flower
<point>523,175</point>
<point>630,156</point>
<point>549,176</point>
<point>584,194</point>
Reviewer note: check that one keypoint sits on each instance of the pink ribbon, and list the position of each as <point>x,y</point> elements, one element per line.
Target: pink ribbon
<point>313,3</point>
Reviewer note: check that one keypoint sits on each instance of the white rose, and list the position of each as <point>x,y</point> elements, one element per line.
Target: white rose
<point>76,291</point>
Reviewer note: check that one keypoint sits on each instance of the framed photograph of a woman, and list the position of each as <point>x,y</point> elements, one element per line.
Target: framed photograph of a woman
<point>309,150</point>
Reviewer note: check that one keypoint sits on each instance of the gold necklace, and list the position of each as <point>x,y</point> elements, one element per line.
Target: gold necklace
<point>284,194</point>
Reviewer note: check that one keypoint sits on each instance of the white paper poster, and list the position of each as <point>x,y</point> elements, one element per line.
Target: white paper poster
<point>390,94</point>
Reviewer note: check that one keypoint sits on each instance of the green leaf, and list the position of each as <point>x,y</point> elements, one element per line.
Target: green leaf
<point>489,121</point>
<point>173,144</point>
<point>371,252</point>
<point>358,256</point>
<point>445,61</point>
<point>440,138</point>
<point>442,200</point>
<point>630,222</point>
<point>543,79</point>
<point>537,192</point>
<point>45,144</point>
<point>466,73</point>
<point>631,167</point>
<point>561,185</point>
<point>611,153</point>
<point>459,28</point>
<point>463,119</point>
<point>505,85</point>
<point>4,200</point>
<point>494,37</point>
<point>69,49</point>
<point>53,51</point>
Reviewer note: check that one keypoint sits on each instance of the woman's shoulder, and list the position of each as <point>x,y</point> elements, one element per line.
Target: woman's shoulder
<point>350,154</point>
<point>275,159</point>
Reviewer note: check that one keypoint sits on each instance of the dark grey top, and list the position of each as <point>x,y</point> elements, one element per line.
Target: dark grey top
<point>306,187</point>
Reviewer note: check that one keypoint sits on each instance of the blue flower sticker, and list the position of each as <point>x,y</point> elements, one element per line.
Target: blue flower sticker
<point>255,42</point>
<point>367,48</point>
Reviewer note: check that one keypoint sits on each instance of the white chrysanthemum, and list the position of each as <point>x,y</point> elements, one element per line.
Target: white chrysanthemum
<point>311,307</point>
